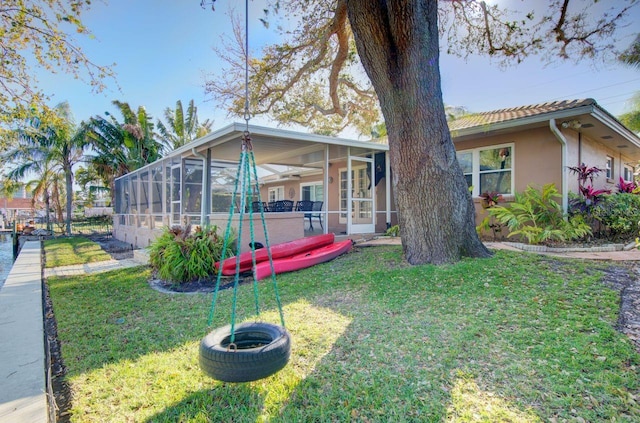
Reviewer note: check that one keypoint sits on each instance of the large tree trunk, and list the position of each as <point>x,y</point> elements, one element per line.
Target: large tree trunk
<point>397,41</point>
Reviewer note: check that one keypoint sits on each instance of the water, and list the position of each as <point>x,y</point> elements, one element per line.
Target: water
<point>6,256</point>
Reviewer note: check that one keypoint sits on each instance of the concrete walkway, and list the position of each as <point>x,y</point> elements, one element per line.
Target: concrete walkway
<point>23,396</point>
<point>612,253</point>
<point>22,354</point>
<point>97,267</point>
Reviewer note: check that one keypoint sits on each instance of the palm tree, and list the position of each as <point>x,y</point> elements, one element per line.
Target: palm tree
<point>631,56</point>
<point>121,147</point>
<point>90,183</point>
<point>181,129</point>
<point>46,185</point>
<point>48,149</point>
<point>67,149</point>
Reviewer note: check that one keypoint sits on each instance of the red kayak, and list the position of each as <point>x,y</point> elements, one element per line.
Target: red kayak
<point>302,260</point>
<point>285,249</point>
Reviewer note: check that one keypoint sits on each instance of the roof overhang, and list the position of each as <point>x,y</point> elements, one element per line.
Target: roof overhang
<point>594,122</point>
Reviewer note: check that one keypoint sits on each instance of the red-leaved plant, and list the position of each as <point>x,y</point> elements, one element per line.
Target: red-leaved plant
<point>628,187</point>
<point>491,198</point>
<point>590,196</point>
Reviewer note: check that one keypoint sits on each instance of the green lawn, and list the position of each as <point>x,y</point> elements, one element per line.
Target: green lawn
<point>514,338</point>
<point>75,250</point>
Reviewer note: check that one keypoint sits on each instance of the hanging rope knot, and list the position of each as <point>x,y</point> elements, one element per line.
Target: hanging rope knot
<point>246,141</point>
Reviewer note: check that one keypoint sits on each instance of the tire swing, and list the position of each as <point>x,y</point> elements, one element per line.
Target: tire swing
<point>251,350</point>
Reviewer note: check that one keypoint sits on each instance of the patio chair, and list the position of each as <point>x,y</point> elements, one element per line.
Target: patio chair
<point>305,206</point>
<point>255,206</point>
<point>287,205</point>
<point>317,207</point>
<point>272,206</point>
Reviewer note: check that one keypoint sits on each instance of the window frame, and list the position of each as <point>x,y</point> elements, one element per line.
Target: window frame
<point>313,190</point>
<point>628,173</point>
<point>276,189</point>
<point>609,167</point>
<point>475,166</point>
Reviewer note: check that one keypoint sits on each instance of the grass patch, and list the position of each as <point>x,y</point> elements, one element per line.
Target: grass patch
<point>516,337</point>
<point>74,250</point>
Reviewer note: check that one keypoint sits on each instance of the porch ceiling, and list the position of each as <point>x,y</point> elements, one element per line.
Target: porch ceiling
<point>275,146</point>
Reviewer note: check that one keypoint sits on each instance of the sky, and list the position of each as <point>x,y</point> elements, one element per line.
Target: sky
<point>164,48</point>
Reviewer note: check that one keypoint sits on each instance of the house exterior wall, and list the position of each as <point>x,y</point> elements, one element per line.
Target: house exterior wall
<point>595,154</point>
<point>536,155</point>
<point>537,159</point>
<point>293,191</point>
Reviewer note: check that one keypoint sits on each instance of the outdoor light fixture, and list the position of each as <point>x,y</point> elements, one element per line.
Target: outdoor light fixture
<point>573,124</point>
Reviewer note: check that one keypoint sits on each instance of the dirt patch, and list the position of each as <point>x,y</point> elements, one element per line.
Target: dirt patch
<point>197,287</point>
<point>59,390</point>
<point>118,250</point>
<point>626,280</point>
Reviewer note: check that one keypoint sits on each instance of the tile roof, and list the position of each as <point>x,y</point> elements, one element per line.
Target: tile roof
<point>504,115</point>
<point>16,203</point>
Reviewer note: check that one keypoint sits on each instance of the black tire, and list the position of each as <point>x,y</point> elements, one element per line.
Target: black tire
<point>262,349</point>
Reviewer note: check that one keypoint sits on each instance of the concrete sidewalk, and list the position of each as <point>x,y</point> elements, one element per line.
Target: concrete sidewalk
<point>22,339</point>
<point>22,354</point>
<point>611,253</point>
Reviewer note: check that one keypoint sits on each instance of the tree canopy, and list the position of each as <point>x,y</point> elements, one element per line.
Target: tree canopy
<point>341,59</point>
<point>314,77</point>
<point>38,34</point>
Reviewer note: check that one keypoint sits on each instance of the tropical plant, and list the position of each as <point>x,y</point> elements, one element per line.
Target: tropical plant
<point>181,255</point>
<point>619,213</point>
<point>628,187</point>
<point>393,231</point>
<point>585,173</point>
<point>181,128</point>
<point>631,119</point>
<point>537,217</point>
<point>48,149</point>
<point>491,198</point>
<point>589,196</point>
<point>90,183</point>
<point>316,77</point>
<point>119,148</point>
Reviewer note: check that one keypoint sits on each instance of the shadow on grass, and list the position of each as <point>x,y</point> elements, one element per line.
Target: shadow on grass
<point>376,340</point>
<point>228,403</point>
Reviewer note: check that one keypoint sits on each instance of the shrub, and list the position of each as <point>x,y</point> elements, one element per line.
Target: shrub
<point>536,216</point>
<point>393,231</point>
<point>180,255</point>
<point>619,213</point>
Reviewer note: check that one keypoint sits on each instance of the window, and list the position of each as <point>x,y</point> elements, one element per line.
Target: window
<point>488,169</point>
<point>609,167</point>
<point>276,193</point>
<point>627,173</point>
<point>312,191</point>
<point>465,159</point>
